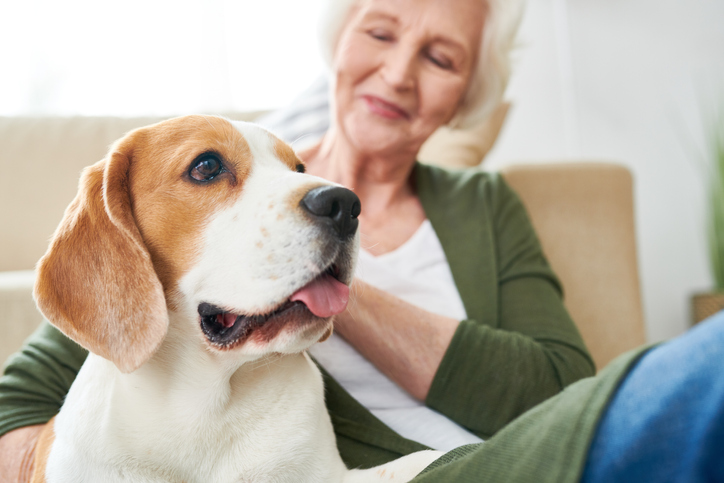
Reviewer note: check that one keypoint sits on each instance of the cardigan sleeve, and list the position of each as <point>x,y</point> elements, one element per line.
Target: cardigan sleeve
<point>526,349</point>
<point>548,444</point>
<point>36,379</point>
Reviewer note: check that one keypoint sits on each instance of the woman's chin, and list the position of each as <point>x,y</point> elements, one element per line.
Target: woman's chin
<point>378,137</point>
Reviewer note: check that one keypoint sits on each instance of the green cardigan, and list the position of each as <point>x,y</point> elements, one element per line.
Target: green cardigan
<point>517,348</point>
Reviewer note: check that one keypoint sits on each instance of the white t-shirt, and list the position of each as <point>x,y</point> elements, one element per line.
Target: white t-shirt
<point>418,273</point>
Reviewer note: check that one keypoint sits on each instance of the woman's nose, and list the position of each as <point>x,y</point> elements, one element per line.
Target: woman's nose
<point>398,69</point>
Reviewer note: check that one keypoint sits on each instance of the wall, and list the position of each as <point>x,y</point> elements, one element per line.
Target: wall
<point>635,82</point>
<point>154,57</point>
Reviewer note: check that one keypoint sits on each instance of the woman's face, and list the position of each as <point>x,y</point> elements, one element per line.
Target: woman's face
<point>402,67</point>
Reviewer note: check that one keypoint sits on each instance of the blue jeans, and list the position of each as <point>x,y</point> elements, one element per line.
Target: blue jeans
<point>666,420</point>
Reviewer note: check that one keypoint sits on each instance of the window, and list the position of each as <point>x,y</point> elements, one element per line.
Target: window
<point>155,57</point>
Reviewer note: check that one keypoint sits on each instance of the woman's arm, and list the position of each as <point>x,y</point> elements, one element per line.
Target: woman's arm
<point>519,350</point>
<point>527,348</point>
<point>405,342</point>
<point>490,376</point>
<point>32,389</point>
<point>36,379</point>
<point>17,454</point>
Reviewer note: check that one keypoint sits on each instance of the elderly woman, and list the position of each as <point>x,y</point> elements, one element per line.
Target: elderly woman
<point>437,249</point>
<point>457,325</point>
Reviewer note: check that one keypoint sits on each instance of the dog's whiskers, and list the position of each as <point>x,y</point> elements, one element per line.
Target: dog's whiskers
<point>299,139</point>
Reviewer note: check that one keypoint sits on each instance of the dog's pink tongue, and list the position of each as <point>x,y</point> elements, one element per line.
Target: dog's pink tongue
<point>324,296</point>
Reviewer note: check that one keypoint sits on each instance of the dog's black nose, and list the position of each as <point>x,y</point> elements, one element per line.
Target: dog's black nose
<point>334,206</point>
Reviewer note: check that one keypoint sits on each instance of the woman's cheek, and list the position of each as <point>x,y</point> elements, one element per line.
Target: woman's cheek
<point>357,60</point>
<point>443,100</point>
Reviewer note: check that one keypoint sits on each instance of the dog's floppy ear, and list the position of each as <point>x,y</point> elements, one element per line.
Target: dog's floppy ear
<point>96,282</point>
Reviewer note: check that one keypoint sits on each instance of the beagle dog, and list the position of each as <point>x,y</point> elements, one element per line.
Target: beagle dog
<point>197,264</point>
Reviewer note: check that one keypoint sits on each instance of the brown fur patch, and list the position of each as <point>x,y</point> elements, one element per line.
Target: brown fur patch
<point>171,211</point>
<point>286,154</point>
<point>132,231</point>
<point>96,282</point>
<point>42,452</point>
<point>295,197</point>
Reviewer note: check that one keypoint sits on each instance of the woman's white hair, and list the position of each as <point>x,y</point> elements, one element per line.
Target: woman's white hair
<point>492,70</point>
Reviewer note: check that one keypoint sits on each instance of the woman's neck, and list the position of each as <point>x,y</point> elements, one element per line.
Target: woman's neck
<point>391,211</point>
<point>380,180</point>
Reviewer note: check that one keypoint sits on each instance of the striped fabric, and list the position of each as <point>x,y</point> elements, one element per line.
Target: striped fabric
<point>303,121</point>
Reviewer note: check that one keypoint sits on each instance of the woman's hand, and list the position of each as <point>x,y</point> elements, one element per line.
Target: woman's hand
<point>17,454</point>
<point>405,342</point>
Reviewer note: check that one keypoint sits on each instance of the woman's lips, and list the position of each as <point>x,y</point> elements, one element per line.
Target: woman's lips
<point>384,108</point>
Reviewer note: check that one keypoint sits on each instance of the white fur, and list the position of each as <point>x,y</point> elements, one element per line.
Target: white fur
<point>196,414</point>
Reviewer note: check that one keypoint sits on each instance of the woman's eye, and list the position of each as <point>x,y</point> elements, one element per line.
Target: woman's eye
<point>440,61</point>
<point>380,34</point>
<point>206,167</point>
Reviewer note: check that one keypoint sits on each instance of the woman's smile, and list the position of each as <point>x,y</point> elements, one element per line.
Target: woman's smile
<point>385,109</point>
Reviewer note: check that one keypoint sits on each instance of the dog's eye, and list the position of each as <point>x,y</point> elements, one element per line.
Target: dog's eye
<point>206,167</point>
<point>300,168</point>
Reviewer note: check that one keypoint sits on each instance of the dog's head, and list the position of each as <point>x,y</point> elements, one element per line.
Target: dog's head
<point>207,218</point>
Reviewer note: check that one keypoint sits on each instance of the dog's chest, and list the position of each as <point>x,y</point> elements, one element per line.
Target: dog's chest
<point>266,425</point>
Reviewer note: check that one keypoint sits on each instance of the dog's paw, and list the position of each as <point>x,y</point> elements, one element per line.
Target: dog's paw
<point>397,471</point>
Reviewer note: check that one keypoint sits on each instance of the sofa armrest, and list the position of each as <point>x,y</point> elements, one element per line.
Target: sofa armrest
<point>18,315</point>
<point>584,216</point>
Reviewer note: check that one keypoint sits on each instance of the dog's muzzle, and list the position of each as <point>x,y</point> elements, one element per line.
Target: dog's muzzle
<point>334,211</point>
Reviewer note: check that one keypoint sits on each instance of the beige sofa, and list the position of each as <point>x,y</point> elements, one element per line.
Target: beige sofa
<point>582,211</point>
